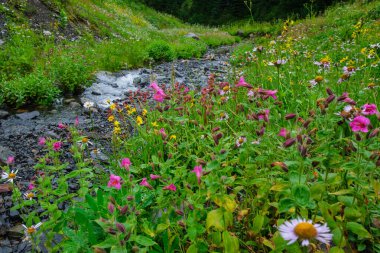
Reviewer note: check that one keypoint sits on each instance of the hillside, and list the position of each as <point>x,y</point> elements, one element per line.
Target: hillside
<point>53,47</point>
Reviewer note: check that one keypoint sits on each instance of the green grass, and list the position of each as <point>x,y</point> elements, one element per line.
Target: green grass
<point>114,35</point>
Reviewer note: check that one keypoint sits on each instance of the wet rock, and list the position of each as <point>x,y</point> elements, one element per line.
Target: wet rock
<point>146,71</point>
<point>5,249</point>
<point>5,153</point>
<point>136,80</point>
<point>75,105</point>
<point>96,93</point>
<point>192,35</point>
<point>3,114</point>
<point>28,115</point>
<point>69,100</point>
<point>24,246</point>
<point>51,134</point>
<point>99,155</point>
<point>16,231</point>
<point>13,213</point>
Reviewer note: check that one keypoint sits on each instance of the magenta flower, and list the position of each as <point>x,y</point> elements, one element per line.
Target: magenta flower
<point>369,109</point>
<point>114,182</point>
<point>126,163</point>
<point>57,145</point>
<point>360,124</point>
<point>268,93</point>
<point>160,94</point>
<point>61,126</point>
<point>145,183</point>
<point>264,115</point>
<point>243,83</point>
<point>10,160</point>
<point>31,186</point>
<point>154,177</point>
<point>163,134</point>
<point>41,141</point>
<point>170,187</point>
<point>198,172</point>
<point>283,132</point>
<point>76,121</point>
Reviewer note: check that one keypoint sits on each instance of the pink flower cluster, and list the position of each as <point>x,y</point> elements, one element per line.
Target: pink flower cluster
<point>160,95</point>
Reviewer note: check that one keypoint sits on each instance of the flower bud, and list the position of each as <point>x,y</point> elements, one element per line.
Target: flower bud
<point>329,99</point>
<point>215,129</point>
<point>289,142</point>
<point>124,210</point>
<point>113,201</point>
<point>120,227</point>
<point>282,165</point>
<point>329,91</point>
<point>179,212</point>
<point>130,198</point>
<point>307,123</point>
<point>290,116</point>
<point>374,133</point>
<point>111,208</point>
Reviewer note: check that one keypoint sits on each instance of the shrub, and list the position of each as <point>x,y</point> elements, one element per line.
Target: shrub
<point>188,48</point>
<point>161,51</point>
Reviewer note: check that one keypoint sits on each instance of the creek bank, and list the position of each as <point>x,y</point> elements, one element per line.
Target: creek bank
<point>19,131</point>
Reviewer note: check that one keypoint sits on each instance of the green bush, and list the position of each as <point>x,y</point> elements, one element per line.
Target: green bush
<point>161,51</point>
<point>35,88</point>
<point>188,48</point>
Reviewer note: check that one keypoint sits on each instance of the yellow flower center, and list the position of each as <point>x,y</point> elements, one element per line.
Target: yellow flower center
<point>241,140</point>
<point>31,230</point>
<point>12,175</point>
<point>318,79</point>
<point>84,140</point>
<point>226,88</point>
<point>305,230</point>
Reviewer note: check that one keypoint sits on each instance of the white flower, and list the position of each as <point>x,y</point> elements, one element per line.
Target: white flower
<point>28,231</point>
<point>304,230</point>
<point>240,141</point>
<point>88,104</point>
<point>9,176</point>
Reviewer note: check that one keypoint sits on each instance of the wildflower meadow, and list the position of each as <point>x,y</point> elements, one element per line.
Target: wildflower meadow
<point>284,157</point>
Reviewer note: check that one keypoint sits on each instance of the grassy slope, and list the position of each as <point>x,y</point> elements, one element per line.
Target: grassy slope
<point>35,68</point>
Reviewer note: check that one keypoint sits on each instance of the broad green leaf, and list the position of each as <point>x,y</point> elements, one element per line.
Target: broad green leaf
<point>258,223</point>
<point>301,194</point>
<point>161,227</point>
<point>285,204</point>
<point>215,219</point>
<point>230,243</point>
<point>119,249</point>
<point>143,240</point>
<point>192,249</point>
<point>91,202</point>
<point>336,250</point>
<point>351,213</point>
<point>338,237</point>
<point>107,243</point>
<point>358,229</point>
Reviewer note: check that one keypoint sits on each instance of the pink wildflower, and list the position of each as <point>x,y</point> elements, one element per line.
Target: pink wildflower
<point>160,94</point>
<point>10,160</point>
<point>198,172</point>
<point>76,121</point>
<point>369,109</point>
<point>268,93</point>
<point>264,115</point>
<point>126,163</point>
<point>31,186</point>
<point>145,183</point>
<point>154,177</point>
<point>243,83</point>
<point>360,124</point>
<point>41,141</point>
<point>163,134</point>
<point>61,125</point>
<point>57,145</point>
<point>170,187</point>
<point>114,182</point>
<point>283,132</point>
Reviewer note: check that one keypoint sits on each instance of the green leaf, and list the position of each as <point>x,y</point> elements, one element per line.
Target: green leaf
<point>192,249</point>
<point>258,223</point>
<point>301,194</point>
<point>119,249</point>
<point>230,243</point>
<point>285,204</point>
<point>351,213</point>
<point>161,227</point>
<point>92,203</point>
<point>143,240</point>
<point>215,219</point>
<point>336,250</point>
<point>107,243</point>
<point>358,229</point>
<point>338,237</point>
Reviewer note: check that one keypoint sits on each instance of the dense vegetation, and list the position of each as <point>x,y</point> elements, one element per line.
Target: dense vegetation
<point>52,48</point>
<point>216,12</point>
<point>294,134</point>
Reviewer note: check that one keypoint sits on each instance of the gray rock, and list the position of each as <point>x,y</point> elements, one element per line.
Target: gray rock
<point>99,155</point>
<point>13,213</point>
<point>3,114</point>
<point>192,35</point>
<point>137,80</point>
<point>5,153</point>
<point>240,33</point>
<point>16,231</point>
<point>75,105</point>
<point>96,93</point>
<point>69,100</point>
<point>51,134</point>
<point>28,115</point>
<point>5,249</point>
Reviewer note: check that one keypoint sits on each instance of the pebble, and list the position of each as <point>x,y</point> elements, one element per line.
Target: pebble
<point>3,114</point>
<point>28,115</point>
<point>5,153</point>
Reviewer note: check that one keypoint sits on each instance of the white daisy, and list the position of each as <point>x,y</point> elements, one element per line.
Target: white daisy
<point>9,176</point>
<point>88,104</point>
<point>305,231</point>
<point>240,141</point>
<point>28,231</point>
<point>29,195</point>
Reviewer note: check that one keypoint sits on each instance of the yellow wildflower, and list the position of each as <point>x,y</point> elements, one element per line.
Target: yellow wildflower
<point>154,124</point>
<point>139,120</point>
<point>173,137</point>
<point>111,118</point>
<point>131,111</point>
<point>343,59</point>
<point>116,123</point>
<point>270,79</point>
<point>113,106</point>
<point>363,50</point>
<point>117,130</point>
<point>144,112</point>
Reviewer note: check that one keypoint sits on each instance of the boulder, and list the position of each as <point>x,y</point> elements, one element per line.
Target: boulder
<point>192,35</point>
